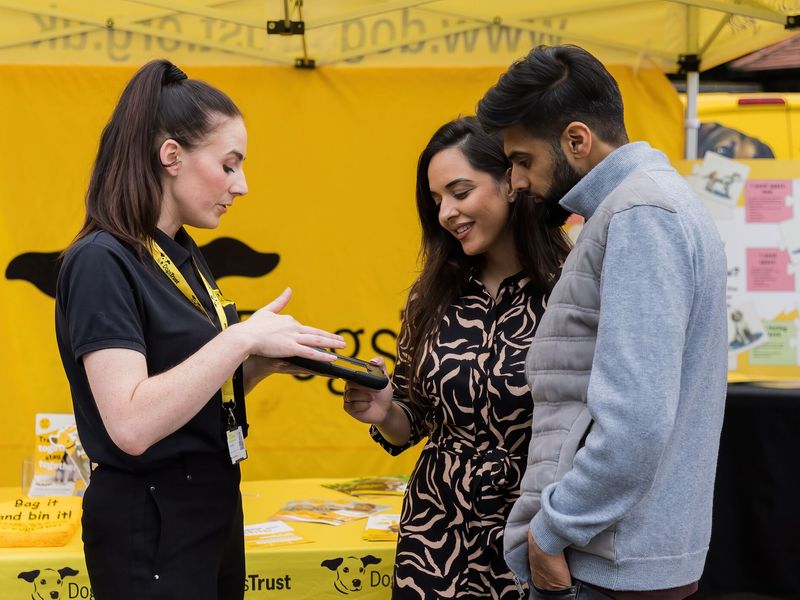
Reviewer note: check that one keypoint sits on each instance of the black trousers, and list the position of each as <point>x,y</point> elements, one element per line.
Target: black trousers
<point>578,591</point>
<point>172,533</point>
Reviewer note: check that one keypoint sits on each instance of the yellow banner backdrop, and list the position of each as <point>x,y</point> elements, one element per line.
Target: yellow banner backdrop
<point>331,167</point>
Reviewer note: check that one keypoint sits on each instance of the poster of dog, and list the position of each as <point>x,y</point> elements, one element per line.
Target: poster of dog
<point>719,183</point>
<point>745,329</point>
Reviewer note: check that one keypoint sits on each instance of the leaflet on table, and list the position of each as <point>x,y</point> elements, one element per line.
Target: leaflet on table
<point>61,467</point>
<point>271,534</point>
<point>372,486</point>
<point>382,528</point>
<point>315,510</point>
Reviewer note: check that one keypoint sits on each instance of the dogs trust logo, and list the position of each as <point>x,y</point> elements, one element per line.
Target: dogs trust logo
<point>225,257</point>
<point>47,583</point>
<point>350,572</point>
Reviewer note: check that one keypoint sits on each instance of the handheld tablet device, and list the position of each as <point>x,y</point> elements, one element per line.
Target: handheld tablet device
<point>344,367</point>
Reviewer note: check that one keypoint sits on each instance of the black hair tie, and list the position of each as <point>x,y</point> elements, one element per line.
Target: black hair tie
<point>173,74</point>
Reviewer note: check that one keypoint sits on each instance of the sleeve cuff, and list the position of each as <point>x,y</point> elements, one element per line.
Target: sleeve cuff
<point>547,539</point>
<point>105,344</point>
<point>393,450</point>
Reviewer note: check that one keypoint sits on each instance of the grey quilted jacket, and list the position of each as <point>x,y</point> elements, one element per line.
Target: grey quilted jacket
<point>628,375</point>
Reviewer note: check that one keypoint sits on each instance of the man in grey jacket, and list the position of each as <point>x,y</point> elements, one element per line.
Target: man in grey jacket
<point>628,367</point>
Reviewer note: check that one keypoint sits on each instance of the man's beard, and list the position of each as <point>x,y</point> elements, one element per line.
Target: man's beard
<point>563,180</point>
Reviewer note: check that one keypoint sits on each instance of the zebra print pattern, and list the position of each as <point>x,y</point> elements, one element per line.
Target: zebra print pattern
<point>477,417</point>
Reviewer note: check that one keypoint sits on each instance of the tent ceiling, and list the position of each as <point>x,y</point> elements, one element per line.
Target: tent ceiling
<point>392,32</point>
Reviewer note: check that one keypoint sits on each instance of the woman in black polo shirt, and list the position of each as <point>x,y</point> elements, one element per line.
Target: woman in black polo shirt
<point>156,358</point>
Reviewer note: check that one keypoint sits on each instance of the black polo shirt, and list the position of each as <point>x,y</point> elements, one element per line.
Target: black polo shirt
<point>107,298</point>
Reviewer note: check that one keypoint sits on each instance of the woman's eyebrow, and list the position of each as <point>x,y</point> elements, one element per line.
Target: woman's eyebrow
<point>455,182</point>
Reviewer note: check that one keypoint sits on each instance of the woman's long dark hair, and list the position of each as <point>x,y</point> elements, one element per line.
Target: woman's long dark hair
<point>541,248</point>
<point>159,103</point>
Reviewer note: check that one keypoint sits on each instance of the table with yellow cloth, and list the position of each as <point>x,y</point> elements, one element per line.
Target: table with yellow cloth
<point>291,572</point>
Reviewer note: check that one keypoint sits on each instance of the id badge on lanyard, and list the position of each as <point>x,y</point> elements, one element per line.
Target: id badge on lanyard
<point>235,438</point>
<point>233,432</point>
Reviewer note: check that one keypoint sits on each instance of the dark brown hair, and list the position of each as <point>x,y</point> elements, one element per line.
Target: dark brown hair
<point>550,88</point>
<point>541,248</point>
<point>159,103</point>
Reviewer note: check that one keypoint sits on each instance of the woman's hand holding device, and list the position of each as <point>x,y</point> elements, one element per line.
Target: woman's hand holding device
<point>279,344</point>
<point>358,371</point>
<point>365,404</point>
<point>376,407</point>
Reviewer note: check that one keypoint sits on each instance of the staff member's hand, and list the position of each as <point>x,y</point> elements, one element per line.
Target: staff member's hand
<point>273,335</point>
<point>548,571</point>
<point>365,404</point>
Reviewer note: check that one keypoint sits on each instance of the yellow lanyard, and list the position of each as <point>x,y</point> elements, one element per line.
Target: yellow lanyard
<point>175,276</point>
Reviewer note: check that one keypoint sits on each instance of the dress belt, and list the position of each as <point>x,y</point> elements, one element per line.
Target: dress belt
<point>495,467</point>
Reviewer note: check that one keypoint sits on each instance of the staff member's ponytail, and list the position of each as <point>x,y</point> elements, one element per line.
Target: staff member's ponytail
<point>159,103</point>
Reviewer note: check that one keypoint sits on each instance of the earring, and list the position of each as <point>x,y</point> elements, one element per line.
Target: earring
<point>177,161</point>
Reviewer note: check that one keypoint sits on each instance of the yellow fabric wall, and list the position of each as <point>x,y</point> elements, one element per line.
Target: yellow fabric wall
<point>331,168</point>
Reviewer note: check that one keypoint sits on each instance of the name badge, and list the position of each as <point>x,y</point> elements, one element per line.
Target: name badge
<point>236,447</point>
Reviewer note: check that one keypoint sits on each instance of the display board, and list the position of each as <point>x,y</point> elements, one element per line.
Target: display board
<point>756,206</point>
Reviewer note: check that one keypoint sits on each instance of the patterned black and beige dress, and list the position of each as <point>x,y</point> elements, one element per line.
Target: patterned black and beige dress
<point>476,412</point>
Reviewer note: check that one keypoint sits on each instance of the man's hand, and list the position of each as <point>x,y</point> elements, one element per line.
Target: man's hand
<point>549,572</point>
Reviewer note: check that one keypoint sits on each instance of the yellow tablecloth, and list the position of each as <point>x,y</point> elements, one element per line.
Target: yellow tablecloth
<point>291,572</point>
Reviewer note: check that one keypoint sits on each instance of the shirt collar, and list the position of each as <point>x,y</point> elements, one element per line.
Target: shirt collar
<point>516,281</point>
<point>592,189</point>
<point>178,249</point>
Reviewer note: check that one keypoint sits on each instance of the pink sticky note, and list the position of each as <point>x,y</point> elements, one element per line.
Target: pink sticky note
<point>575,219</point>
<point>765,200</point>
<point>768,270</point>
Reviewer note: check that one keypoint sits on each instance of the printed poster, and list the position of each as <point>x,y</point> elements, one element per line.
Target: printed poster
<point>718,181</point>
<point>61,467</point>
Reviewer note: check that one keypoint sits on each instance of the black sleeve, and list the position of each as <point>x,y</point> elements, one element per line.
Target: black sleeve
<point>97,295</point>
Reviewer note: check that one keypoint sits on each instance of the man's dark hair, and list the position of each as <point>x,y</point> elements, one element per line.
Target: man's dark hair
<point>551,87</point>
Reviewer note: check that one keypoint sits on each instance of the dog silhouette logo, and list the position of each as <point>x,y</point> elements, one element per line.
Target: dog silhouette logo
<point>350,571</point>
<point>225,256</point>
<point>47,583</point>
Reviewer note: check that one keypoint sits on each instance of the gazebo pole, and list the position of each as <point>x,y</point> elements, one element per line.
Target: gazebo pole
<point>692,123</point>
<point>689,64</point>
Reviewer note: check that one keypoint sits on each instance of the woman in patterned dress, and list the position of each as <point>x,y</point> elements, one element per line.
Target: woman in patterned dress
<point>490,259</point>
